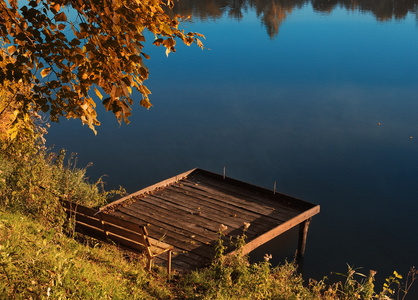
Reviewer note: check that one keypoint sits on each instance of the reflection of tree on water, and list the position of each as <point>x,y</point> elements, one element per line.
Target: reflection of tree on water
<point>273,12</point>
<point>383,9</point>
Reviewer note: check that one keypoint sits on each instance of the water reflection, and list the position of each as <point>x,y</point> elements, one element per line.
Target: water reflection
<point>272,13</point>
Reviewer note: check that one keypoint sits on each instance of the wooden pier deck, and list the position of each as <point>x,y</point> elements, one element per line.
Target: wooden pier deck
<point>186,211</point>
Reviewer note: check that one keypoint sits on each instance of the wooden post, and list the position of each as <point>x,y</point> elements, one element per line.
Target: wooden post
<point>303,232</point>
<point>149,263</point>
<point>169,263</point>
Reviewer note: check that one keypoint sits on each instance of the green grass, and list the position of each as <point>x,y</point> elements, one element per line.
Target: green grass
<point>38,262</point>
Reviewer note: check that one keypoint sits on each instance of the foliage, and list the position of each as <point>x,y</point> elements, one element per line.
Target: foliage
<point>233,277</point>
<point>353,288</point>
<point>64,49</point>
<point>31,183</point>
<point>22,130</point>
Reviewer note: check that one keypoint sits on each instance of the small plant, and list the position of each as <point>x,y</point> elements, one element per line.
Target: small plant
<point>219,244</point>
<point>401,290</point>
<point>353,288</point>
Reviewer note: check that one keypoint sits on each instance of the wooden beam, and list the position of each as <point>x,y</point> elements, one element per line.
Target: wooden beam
<point>303,232</point>
<point>150,188</point>
<point>269,235</point>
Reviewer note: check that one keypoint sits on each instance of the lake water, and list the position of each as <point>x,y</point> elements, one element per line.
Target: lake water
<point>319,96</point>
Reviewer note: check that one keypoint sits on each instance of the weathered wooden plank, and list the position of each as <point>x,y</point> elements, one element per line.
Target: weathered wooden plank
<point>223,207</point>
<point>238,197</point>
<point>202,217</point>
<point>215,187</point>
<point>187,257</point>
<point>88,220</point>
<point>169,216</point>
<point>287,200</point>
<point>176,242</point>
<point>217,210</point>
<point>120,240</point>
<point>136,227</point>
<point>255,243</point>
<point>238,194</point>
<point>90,230</point>
<point>179,241</point>
<point>137,233</point>
<point>158,245</point>
<point>150,188</point>
<point>178,265</point>
<point>250,206</point>
<point>205,256</point>
<point>135,236</point>
<point>79,208</point>
<point>158,229</point>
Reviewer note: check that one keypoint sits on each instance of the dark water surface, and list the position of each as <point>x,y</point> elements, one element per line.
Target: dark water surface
<point>320,96</point>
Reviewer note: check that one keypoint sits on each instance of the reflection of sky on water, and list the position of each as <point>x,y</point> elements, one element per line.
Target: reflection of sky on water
<point>303,110</point>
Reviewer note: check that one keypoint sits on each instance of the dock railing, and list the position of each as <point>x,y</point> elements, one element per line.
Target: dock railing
<point>130,235</point>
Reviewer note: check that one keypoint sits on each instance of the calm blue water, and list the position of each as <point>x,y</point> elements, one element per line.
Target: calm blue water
<point>300,106</point>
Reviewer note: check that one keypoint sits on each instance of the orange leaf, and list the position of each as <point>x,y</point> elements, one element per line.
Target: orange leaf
<point>11,49</point>
<point>145,103</point>
<point>98,93</point>
<point>61,17</point>
<point>45,72</point>
<point>56,7</point>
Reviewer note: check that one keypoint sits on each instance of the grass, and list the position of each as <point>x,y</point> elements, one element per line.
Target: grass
<point>39,263</point>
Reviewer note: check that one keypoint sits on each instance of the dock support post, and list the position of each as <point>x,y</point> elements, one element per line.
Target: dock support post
<point>303,232</point>
<point>169,263</point>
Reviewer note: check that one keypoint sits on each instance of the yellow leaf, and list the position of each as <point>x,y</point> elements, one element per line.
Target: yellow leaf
<point>45,72</point>
<point>145,103</point>
<point>98,93</point>
<point>167,29</point>
<point>199,43</point>
<point>13,135</point>
<point>129,89</point>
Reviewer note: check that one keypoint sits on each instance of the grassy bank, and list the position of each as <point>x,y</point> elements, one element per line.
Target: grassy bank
<point>40,260</point>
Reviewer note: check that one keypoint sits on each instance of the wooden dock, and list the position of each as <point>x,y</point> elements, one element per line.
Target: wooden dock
<point>187,210</point>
